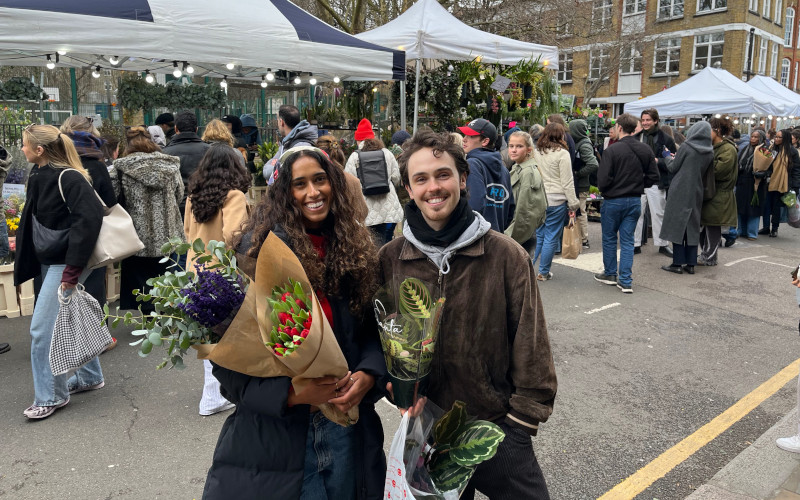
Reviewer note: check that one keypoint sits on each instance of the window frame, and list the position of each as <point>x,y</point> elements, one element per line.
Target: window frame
<point>672,6</point>
<point>639,6</point>
<point>568,57</point>
<point>796,69</point>
<point>765,12</point>
<point>763,53</point>
<point>788,32</point>
<point>604,53</point>
<point>668,49</point>
<point>710,59</point>
<point>773,62</point>
<point>752,6</point>
<point>786,65</point>
<point>630,59</point>
<point>713,8</point>
<point>606,9</point>
<point>778,17</point>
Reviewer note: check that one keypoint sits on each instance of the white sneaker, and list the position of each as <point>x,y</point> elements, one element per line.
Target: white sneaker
<point>789,444</point>
<point>227,406</point>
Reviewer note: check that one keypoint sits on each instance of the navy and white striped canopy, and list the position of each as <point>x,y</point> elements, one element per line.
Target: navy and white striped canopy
<point>253,35</point>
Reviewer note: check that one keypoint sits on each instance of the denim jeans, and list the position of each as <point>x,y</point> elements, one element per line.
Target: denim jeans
<point>748,226</point>
<point>50,390</point>
<point>330,470</point>
<point>618,216</point>
<point>547,237</point>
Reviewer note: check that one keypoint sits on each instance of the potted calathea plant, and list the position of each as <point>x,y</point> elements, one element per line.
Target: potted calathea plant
<point>408,317</point>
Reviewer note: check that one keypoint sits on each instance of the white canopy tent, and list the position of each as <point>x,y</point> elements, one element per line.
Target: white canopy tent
<point>249,36</point>
<point>777,93</point>
<point>710,91</point>
<point>428,31</point>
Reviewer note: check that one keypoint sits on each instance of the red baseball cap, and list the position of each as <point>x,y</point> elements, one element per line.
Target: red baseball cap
<point>480,126</point>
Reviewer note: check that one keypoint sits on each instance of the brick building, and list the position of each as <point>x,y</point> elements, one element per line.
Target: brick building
<point>645,46</point>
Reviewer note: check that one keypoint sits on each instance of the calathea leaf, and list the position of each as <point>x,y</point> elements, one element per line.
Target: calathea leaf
<point>477,443</point>
<point>447,429</point>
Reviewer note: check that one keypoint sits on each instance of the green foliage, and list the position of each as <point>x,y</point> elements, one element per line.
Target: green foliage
<point>459,446</point>
<point>169,325</point>
<point>359,99</point>
<point>415,300</point>
<point>134,94</point>
<point>21,89</point>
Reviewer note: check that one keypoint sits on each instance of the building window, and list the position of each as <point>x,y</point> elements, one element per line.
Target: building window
<point>778,11</point>
<point>788,27</point>
<point>670,9</point>
<point>631,59</point>
<point>785,65</point>
<point>746,54</point>
<point>773,64</point>
<point>598,61</point>
<point>711,5</point>
<point>796,69</point>
<point>762,57</point>
<point>708,50</point>
<point>563,25</point>
<point>753,6</point>
<point>631,7</point>
<point>601,14</point>
<point>767,5</point>
<point>565,67</point>
<point>667,56</point>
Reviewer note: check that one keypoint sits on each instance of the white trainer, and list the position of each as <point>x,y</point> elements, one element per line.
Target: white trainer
<point>789,444</point>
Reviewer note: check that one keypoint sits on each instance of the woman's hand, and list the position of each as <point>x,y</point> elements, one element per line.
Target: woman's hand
<point>318,391</point>
<point>415,410</point>
<point>68,286</point>
<point>352,390</point>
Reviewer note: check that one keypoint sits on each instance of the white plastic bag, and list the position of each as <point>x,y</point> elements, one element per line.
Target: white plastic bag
<point>396,487</point>
<point>794,214</point>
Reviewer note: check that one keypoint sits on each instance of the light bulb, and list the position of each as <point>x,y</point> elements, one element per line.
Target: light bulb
<point>96,72</point>
<point>762,122</point>
<point>50,63</point>
<point>312,81</point>
<point>176,72</point>
<point>736,122</point>
<point>149,78</point>
<point>61,52</point>
<point>297,80</point>
<point>114,60</point>
<point>753,115</point>
<point>270,76</point>
<point>189,68</point>
<point>769,116</point>
<point>263,82</point>
<point>374,89</point>
<point>717,115</point>
<point>229,65</point>
<point>336,79</point>
<point>450,67</point>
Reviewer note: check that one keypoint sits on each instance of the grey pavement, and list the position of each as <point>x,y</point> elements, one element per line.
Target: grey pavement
<point>637,374</point>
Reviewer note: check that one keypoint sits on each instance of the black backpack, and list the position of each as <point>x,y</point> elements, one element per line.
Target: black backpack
<point>372,172</point>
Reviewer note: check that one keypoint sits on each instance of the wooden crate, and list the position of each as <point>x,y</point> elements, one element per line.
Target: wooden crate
<point>25,298</point>
<point>8,293</point>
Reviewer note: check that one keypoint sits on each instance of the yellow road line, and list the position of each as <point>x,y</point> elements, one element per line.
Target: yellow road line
<point>658,468</point>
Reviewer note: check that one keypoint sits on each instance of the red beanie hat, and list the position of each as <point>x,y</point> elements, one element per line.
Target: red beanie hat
<point>364,130</point>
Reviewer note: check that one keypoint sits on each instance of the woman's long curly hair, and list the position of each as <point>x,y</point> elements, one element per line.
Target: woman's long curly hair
<point>351,259</point>
<point>219,172</point>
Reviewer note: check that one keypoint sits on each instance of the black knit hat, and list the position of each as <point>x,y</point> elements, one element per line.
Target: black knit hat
<point>165,118</point>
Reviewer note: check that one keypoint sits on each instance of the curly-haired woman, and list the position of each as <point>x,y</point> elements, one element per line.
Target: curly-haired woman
<point>276,441</point>
<point>149,186</point>
<point>216,208</point>
<point>59,196</point>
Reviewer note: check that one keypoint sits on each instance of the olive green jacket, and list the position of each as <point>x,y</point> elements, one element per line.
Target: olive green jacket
<point>721,209</point>
<point>528,189</point>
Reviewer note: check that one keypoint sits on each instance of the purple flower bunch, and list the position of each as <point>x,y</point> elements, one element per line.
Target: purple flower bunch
<point>16,176</point>
<point>212,298</point>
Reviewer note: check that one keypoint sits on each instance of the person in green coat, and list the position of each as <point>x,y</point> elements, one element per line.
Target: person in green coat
<point>528,189</point>
<point>720,210</point>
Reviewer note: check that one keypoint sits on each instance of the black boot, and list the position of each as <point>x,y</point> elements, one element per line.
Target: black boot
<point>774,233</point>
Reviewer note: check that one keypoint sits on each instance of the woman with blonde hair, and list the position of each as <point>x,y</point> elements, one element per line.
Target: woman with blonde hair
<point>552,158</point>
<point>59,197</point>
<point>528,189</point>
<point>217,131</point>
<point>150,188</point>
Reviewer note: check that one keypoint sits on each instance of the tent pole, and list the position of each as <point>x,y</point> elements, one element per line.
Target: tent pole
<point>416,98</point>
<point>403,105</point>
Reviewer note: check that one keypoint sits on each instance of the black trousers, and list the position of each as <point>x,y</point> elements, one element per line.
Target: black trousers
<point>773,210</point>
<point>512,474</point>
<point>683,254</point>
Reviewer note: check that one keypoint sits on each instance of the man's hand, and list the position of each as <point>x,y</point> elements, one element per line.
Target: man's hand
<point>352,390</point>
<point>415,410</point>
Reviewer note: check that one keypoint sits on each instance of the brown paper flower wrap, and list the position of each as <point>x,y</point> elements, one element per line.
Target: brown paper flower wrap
<point>243,347</point>
<point>762,159</point>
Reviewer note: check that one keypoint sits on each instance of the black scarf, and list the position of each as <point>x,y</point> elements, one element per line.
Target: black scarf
<point>460,220</point>
<point>650,139</point>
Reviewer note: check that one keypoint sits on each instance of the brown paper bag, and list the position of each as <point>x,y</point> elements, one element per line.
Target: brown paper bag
<point>571,241</point>
<point>243,346</point>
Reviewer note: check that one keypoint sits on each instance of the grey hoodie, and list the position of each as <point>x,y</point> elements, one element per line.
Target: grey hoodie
<point>304,134</point>
<point>441,256</point>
